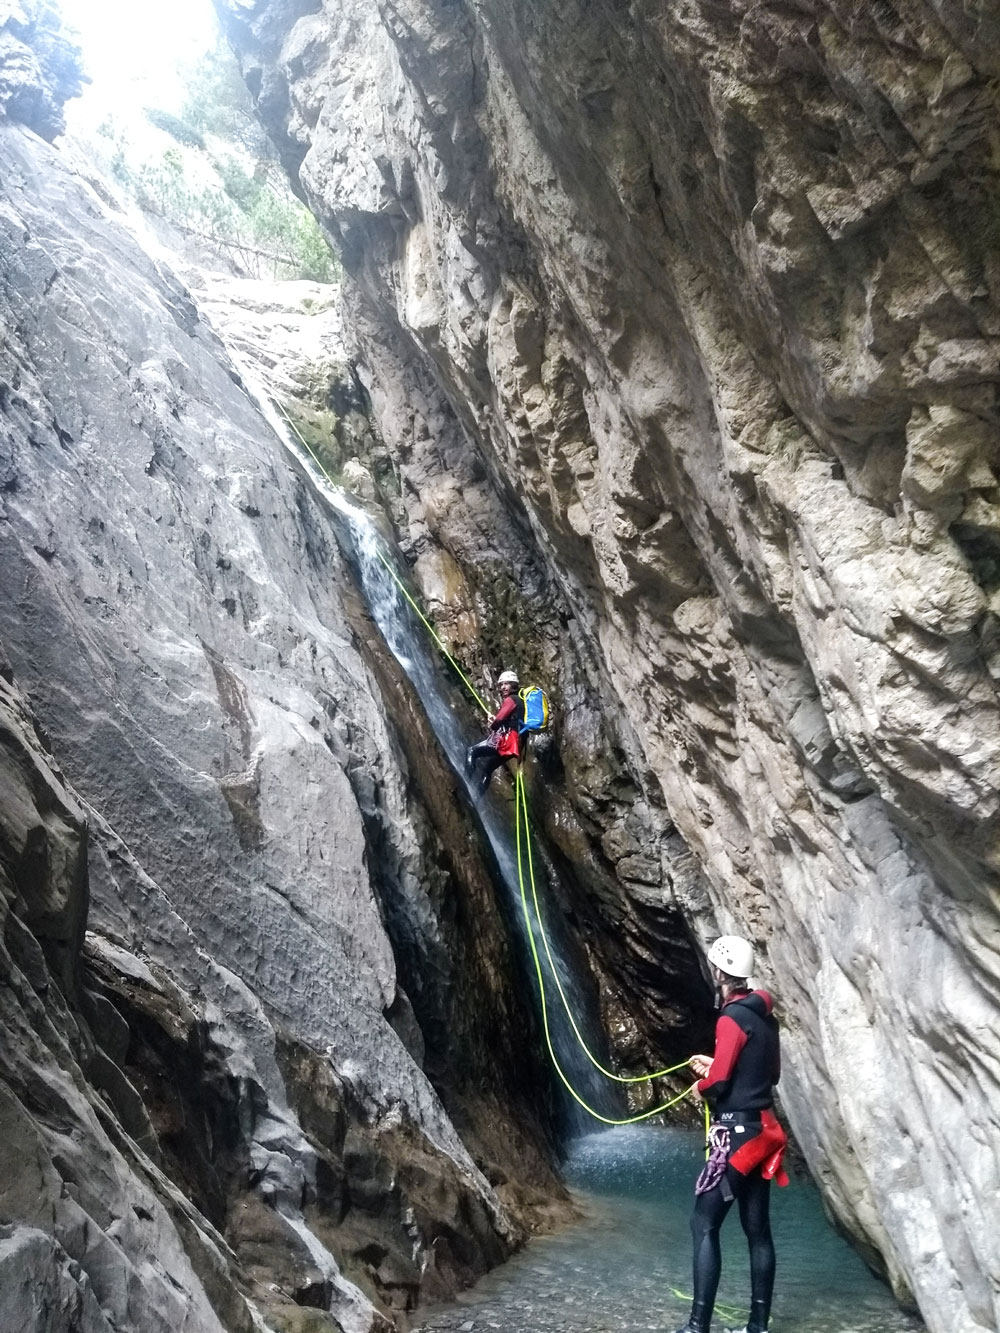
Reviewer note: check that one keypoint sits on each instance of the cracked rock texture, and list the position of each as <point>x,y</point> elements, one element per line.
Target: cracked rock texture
<point>94,1235</point>
<point>240,1091</point>
<point>682,323</point>
<point>39,66</point>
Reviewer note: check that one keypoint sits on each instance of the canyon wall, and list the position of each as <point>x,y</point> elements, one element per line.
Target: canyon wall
<point>680,323</point>
<point>243,908</point>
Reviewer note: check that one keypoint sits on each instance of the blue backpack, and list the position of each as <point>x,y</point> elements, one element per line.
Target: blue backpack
<point>535,707</point>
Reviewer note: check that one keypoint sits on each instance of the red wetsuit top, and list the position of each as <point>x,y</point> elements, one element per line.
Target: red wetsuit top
<point>506,721</point>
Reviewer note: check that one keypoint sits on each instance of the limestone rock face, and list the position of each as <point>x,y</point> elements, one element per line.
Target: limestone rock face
<point>685,317</point>
<point>39,66</point>
<point>258,1052</point>
<point>93,1232</point>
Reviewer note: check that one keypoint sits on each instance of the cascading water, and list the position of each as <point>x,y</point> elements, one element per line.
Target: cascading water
<point>409,643</point>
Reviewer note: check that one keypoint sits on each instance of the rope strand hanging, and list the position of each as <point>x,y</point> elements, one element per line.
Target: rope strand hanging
<point>539,975</point>
<point>608,1073</point>
<point>391,572</point>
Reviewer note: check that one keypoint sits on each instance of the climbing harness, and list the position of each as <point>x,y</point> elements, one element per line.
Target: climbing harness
<point>533,698</point>
<point>719,1146</point>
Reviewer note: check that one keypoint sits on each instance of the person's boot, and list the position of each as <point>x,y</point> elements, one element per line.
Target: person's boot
<point>757,1323</point>
<point>697,1323</point>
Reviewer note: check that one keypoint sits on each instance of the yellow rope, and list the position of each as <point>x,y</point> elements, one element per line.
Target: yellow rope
<point>303,441</point>
<point>605,1120</point>
<point>399,582</point>
<point>608,1073</point>
<point>522,805</point>
<point>433,633</point>
<point>727,1311</point>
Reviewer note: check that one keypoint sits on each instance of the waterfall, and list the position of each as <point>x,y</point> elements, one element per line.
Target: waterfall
<point>408,641</point>
<point>412,648</point>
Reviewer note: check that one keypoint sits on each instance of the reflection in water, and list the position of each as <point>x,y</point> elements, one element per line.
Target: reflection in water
<point>616,1271</point>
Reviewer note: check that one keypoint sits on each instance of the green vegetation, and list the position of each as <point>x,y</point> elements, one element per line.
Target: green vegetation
<point>218,103</point>
<point>176,127</point>
<point>220,181</point>
<point>317,425</point>
<point>507,626</point>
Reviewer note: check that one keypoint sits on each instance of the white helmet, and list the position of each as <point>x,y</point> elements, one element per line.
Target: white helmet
<point>507,678</point>
<point>733,955</point>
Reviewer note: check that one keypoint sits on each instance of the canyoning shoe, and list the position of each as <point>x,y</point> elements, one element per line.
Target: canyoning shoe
<point>757,1323</point>
<point>696,1321</point>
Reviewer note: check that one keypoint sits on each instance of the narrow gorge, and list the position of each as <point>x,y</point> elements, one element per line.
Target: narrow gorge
<point>665,352</point>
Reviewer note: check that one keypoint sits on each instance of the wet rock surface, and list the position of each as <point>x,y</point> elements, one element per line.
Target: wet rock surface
<point>682,323</point>
<point>232,1050</point>
<point>94,1236</point>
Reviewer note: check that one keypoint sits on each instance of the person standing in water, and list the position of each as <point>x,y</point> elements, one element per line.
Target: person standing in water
<point>745,1139</point>
<point>504,740</point>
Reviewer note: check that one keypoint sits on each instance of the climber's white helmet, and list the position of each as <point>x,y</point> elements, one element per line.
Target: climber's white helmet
<point>733,955</point>
<point>507,678</point>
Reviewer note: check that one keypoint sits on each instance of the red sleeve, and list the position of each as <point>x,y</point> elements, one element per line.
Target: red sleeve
<point>729,1041</point>
<point>505,712</point>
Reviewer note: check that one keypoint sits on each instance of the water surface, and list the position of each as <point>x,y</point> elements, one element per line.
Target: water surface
<point>617,1271</point>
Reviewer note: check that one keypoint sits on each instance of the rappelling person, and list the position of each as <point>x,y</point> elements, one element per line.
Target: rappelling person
<point>745,1139</point>
<point>504,740</point>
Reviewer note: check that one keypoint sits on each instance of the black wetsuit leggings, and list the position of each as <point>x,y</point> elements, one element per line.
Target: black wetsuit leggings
<point>753,1195</point>
<point>485,754</point>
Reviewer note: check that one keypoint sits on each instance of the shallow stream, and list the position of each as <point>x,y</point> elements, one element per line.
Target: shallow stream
<point>618,1269</point>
